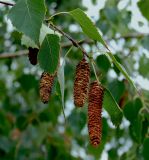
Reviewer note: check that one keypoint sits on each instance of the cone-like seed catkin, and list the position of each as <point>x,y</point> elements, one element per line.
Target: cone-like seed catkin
<point>96,92</point>
<point>81,83</point>
<point>32,55</point>
<point>46,83</point>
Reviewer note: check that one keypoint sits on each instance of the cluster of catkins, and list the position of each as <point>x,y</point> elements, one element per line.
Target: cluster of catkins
<point>94,92</point>
<point>83,90</point>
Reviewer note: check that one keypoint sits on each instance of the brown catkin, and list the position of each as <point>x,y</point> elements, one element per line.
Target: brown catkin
<point>81,83</point>
<point>46,83</point>
<point>32,55</point>
<point>96,92</point>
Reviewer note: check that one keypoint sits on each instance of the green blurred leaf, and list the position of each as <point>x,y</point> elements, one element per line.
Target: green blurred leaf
<point>4,124</point>
<point>87,25</point>
<point>143,65</point>
<point>2,89</point>
<point>48,55</point>
<point>145,149</point>
<point>22,122</point>
<point>28,82</point>
<point>144,5</point>
<point>5,145</point>
<point>117,89</point>
<point>131,112</point>
<point>136,129</point>
<point>103,63</point>
<point>112,108</point>
<point>145,42</point>
<point>30,15</point>
<point>131,109</point>
<point>111,14</point>
<point>77,118</point>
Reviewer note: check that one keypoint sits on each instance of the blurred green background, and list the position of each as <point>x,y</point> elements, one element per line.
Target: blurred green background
<point>30,130</point>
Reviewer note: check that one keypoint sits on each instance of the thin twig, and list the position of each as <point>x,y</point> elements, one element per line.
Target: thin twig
<point>56,14</point>
<point>7,3</point>
<point>74,42</point>
<point>25,52</point>
<point>14,55</point>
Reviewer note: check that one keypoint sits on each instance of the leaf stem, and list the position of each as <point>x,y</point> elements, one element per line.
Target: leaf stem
<point>92,62</point>
<point>55,15</point>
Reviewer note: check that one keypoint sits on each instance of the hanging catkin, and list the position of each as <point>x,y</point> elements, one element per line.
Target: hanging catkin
<point>96,92</point>
<point>81,83</point>
<point>32,55</point>
<point>46,83</point>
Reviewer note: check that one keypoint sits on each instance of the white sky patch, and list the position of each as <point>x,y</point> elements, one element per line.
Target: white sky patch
<point>137,17</point>
<point>93,10</point>
<point>143,82</point>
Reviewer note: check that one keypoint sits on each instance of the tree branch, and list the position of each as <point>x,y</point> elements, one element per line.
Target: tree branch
<point>7,3</point>
<point>69,44</point>
<point>25,52</point>
<point>14,55</point>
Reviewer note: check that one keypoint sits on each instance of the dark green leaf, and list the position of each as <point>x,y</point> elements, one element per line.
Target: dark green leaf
<point>48,55</point>
<point>117,89</point>
<point>145,149</point>
<point>87,25</point>
<point>103,63</point>
<point>143,65</point>
<point>77,118</point>
<point>112,108</point>
<point>27,16</point>
<point>28,82</point>
<point>131,109</point>
<point>4,124</point>
<point>144,5</point>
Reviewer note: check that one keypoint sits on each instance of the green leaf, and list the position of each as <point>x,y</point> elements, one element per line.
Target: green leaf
<point>145,42</point>
<point>6,144</point>
<point>87,25</point>
<point>143,65</point>
<point>44,31</point>
<point>48,55</point>
<point>5,125</point>
<point>145,149</point>
<point>131,112</point>
<point>103,63</point>
<point>121,68</point>
<point>27,16</point>
<point>28,42</point>
<point>112,107</point>
<point>28,82</point>
<point>117,89</point>
<point>144,5</point>
<point>77,118</point>
<point>131,109</point>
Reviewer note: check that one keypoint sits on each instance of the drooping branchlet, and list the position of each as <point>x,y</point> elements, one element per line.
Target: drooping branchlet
<point>46,83</point>
<point>81,83</point>
<point>96,93</point>
<point>32,55</point>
